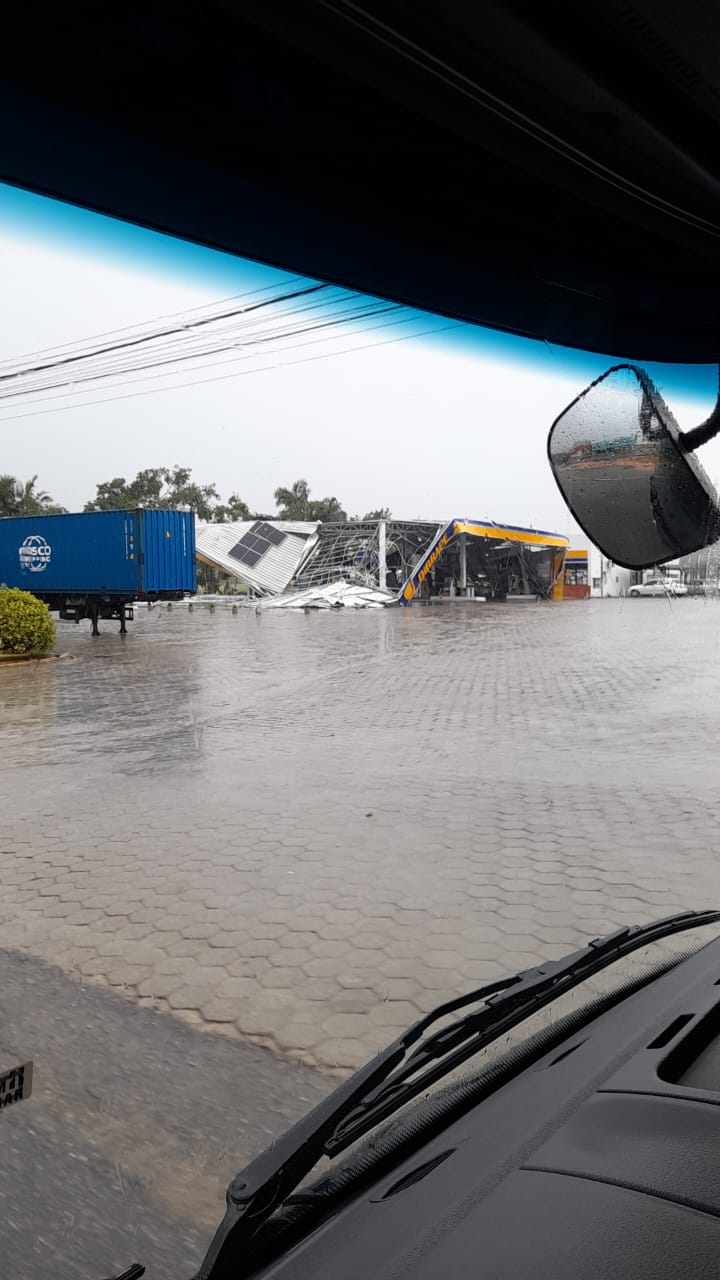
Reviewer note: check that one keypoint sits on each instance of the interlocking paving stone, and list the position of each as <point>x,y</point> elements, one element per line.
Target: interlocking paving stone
<point>311,829</point>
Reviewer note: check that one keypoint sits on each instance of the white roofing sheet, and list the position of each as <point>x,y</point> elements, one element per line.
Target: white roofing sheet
<point>274,569</point>
<point>335,595</point>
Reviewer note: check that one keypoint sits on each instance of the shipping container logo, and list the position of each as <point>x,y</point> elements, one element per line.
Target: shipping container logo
<point>35,553</point>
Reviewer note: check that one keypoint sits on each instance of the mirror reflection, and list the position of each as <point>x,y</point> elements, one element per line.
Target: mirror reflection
<point>617,455</point>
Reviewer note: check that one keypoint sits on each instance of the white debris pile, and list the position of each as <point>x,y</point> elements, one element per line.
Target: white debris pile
<point>337,595</point>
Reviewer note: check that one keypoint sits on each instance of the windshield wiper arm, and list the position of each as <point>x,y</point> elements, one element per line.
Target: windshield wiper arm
<point>532,989</point>
<point>393,1078</point>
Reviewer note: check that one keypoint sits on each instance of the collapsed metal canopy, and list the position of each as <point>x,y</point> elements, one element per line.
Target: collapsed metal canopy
<point>366,552</point>
<point>501,535</point>
<point>397,556</point>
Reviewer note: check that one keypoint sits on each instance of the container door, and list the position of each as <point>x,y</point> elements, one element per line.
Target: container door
<point>168,550</point>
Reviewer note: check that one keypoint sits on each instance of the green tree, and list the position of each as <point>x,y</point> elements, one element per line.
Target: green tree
<point>167,487</point>
<point>295,503</point>
<point>208,579</point>
<point>180,491</point>
<point>8,496</point>
<point>18,498</point>
<point>382,513</point>
<point>111,495</point>
<point>32,496</point>
<point>327,509</point>
<point>233,509</point>
<point>31,500</point>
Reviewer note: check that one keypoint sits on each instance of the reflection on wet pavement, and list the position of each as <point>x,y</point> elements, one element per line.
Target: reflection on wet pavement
<point>304,830</point>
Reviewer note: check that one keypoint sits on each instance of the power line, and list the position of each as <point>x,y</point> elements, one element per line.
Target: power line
<point>182,343</point>
<point>272,316</point>
<point>227,376</point>
<point>244,355</point>
<point>136,341</point>
<point>141,326</point>
<point>107,371</point>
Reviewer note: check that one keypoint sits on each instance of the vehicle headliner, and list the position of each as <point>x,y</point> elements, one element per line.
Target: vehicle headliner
<point>503,163</point>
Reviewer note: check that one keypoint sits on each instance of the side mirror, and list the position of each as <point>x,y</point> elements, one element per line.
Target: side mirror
<point>627,473</point>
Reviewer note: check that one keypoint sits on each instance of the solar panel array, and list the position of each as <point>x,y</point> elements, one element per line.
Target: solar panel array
<point>256,542</point>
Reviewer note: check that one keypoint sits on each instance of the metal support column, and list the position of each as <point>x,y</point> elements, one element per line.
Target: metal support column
<point>382,555</point>
<point>463,564</point>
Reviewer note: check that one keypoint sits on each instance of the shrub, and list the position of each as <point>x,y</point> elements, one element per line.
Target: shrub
<point>25,623</point>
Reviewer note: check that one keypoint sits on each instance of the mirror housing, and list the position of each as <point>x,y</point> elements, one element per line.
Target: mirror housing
<point>628,475</point>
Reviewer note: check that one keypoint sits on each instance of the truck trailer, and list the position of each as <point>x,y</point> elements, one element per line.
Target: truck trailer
<point>97,564</point>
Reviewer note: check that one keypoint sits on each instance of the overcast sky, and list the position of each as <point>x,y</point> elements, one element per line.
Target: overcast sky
<point>449,424</point>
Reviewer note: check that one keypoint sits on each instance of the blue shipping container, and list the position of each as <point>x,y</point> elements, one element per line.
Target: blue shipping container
<point>128,555</point>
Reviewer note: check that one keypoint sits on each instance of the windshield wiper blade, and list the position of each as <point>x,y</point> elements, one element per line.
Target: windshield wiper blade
<point>396,1076</point>
<point>531,990</point>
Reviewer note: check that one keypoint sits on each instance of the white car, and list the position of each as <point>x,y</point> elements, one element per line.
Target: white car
<point>659,587</point>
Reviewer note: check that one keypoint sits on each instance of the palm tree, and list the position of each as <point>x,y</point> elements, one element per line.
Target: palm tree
<point>8,500</point>
<point>294,503</point>
<point>24,499</point>
<point>31,501</point>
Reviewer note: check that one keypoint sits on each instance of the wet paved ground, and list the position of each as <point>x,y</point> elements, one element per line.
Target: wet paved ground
<point>307,829</point>
<point>135,1126</point>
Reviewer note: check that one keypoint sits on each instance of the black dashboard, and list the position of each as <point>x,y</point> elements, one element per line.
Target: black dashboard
<point>599,1161</point>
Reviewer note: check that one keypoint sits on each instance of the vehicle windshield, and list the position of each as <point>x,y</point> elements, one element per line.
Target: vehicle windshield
<point>329,712</point>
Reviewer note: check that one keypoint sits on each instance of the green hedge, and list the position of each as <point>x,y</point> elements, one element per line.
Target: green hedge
<point>25,623</point>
